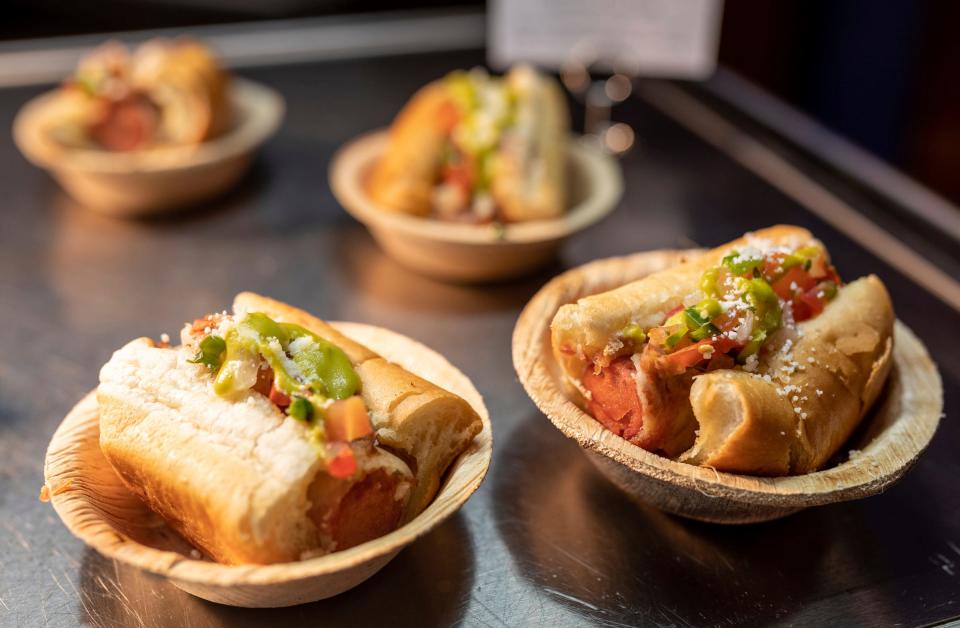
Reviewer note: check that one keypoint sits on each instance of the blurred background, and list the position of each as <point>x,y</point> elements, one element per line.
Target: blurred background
<point>881,74</point>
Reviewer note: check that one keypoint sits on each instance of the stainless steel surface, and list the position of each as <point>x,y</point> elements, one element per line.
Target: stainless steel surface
<point>546,541</point>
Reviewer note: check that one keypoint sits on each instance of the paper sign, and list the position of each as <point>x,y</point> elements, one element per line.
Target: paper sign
<point>665,38</point>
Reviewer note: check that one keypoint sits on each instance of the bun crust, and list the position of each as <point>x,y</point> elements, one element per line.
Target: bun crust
<point>530,170</point>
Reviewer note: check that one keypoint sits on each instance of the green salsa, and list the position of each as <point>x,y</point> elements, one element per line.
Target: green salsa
<point>303,363</point>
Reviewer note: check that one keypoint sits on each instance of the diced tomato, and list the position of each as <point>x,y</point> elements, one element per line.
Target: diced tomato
<point>459,174</point>
<point>833,276</point>
<point>460,178</point>
<point>682,359</point>
<point>773,265</point>
<point>613,397</point>
<point>796,275</point>
<point>801,311</point>
<point>723,344</point>
<point>200,324</point>
<point>347,420</point>
<point>278,397</point>
<point>808,305</point>
<point>266,386</point>
<point>726,322</point>
<point>341,463</point>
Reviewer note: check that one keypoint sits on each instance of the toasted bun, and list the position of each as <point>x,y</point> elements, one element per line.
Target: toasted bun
<point>235,476</point>
<point>184,79</point>
<point>422,423</point>
<point>529,173</point>
<point>821,385</point>
<point>403,179</point>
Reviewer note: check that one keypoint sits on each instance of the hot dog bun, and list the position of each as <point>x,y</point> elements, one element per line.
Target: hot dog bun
<point>528,174</point>
<point>404,178</point>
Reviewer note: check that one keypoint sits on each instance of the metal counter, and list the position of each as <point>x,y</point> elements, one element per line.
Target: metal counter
<point>546,540</point>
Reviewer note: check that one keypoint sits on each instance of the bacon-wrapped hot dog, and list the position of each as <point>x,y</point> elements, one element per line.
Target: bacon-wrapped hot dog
<point>750,358</point>
<point>165,93</point>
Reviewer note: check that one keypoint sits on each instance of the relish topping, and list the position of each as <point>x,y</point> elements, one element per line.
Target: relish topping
<point>751,294</point>
<point>305,376</point>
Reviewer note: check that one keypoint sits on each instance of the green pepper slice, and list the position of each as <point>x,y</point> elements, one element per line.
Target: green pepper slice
<point>741,266</point>
<point>325,366</point>
<point>300,409</point>
<point>211,352</point>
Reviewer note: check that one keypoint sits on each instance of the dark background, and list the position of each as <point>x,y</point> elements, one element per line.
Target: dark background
<point>882,74</point>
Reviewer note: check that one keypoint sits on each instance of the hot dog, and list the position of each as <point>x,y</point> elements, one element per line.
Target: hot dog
<point>475,148</point>
<point>750,358</point>
<point>165,93</point>
<point>258,438</point>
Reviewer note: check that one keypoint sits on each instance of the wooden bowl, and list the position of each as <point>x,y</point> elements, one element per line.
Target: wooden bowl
<point>96,506</point>
<point>888,441</point>
<point>155,180</point>
<point>475,253</point>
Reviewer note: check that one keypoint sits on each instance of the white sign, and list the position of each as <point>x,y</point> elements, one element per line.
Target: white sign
<point>667,38</point>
